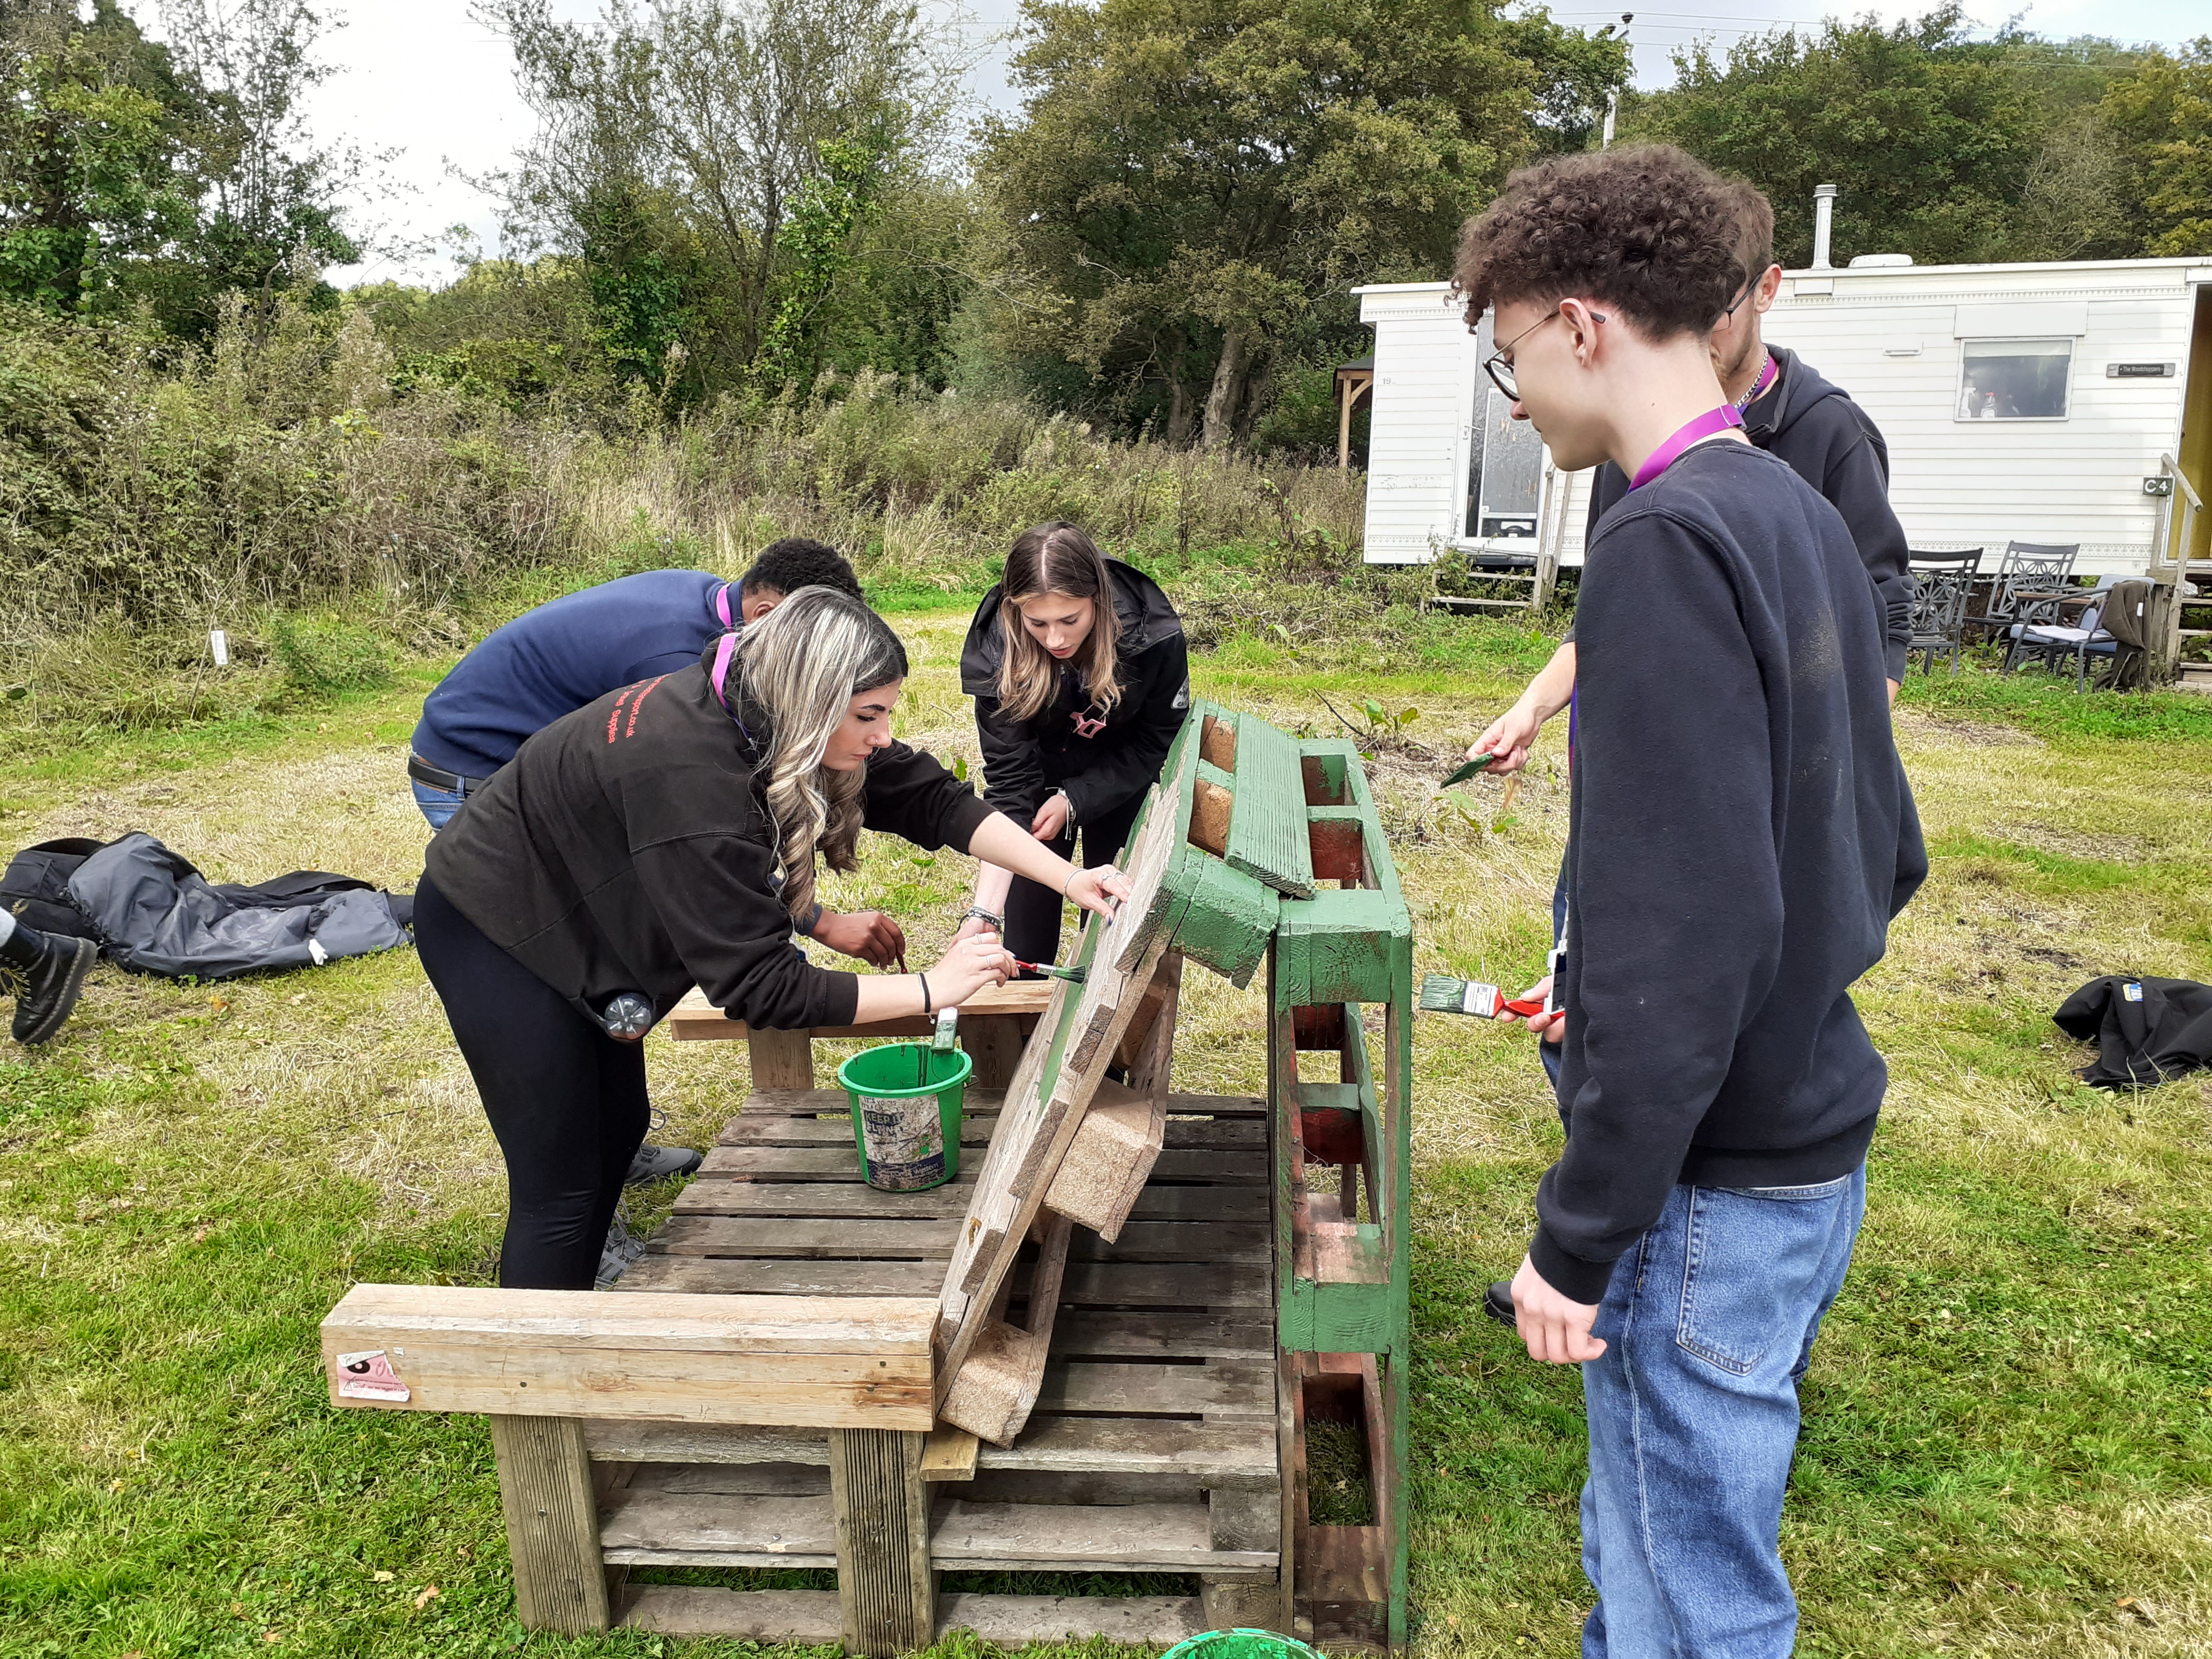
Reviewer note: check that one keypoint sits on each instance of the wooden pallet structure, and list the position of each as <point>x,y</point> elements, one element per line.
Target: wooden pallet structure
<point>1097,1352</point>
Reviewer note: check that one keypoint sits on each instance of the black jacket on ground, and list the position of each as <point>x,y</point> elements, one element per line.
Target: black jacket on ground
<point>1741,834</point>
<point>1834,446</point>
<point>1024,762</point>
<point>2148,1031</point>
<point>627,847</point>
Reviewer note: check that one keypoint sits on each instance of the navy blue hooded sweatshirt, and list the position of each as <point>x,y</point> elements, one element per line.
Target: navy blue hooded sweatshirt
<point>552,661</point>
<point>1741,834</point>
<point>1834,446</point>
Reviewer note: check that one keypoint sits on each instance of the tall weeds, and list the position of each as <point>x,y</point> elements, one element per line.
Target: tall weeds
<point>149,493</point>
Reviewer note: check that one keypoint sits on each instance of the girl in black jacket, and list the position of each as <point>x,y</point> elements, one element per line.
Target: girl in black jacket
<point>665,836</point>
<point>1080,679</point>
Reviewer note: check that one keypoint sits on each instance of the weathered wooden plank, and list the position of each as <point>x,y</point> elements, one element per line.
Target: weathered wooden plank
<point>837,1132</point>
<point>738,1276</point>
<point>1047,1538</point>
<point>1092,1334</point>
<point>948,1455</point>
<point>886,1588</point>
<point>654,1528</point>
<point>818,1237</point>
<point>552,1523</point>
<point>1234,1454</point>
<point>1217,1392</point>
<point>1043,1108</point>
<point>732,1480</point>
<point>1239,1241</point>
<point>1119,1141</point>
<point>577,1353</point>
<point>638,1442</point>
<point>1267,838</point>
<point>792,1163</point>
<point>1165,1284</point>
<point>695,1019</point>
<point>1158,1202</point>
<point>1051,1486</point>
<point>807,1617</point>
<point>997,1389</point>
<point>780,1059</point>
<point>1020,1621</point>
<point>1244,1519</point>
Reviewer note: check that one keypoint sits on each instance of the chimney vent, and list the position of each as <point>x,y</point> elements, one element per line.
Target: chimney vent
<point>1824,215</point>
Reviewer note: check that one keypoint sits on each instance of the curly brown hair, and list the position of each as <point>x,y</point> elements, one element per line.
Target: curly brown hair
<point>1645,229</point>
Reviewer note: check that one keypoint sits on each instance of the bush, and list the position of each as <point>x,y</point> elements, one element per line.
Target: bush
<point>323,656</point>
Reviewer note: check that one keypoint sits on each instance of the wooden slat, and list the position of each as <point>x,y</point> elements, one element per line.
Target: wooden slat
<point>822,1237</point>
<point>1048,1538</point>
<point>1043,1108</point>
<point>1235,1454</point>
<point>1020,1621</point>
<point>552,1524</point>
<point>728,1276</point>
<point>1216,1392</point>
<point>807,1617</point>
<point>1268,837</point>
<point>664,1529</point>
<point>1227,1335</point>
<point>885,1588</point>
<point>1165,1284</point>
<point>729,1480</point>
<point>695,1019</point>
<point>863,1359</point>
<point>830,1162</point>
<point>1114,1151</point>
<point>630,1442</point>
<point>997,1389</point>
<point>949,1454</point>
<point>708,1196</point>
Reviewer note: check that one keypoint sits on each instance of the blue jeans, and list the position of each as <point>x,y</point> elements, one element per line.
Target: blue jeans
<point>1708,1325</point>
<point>438,806</point>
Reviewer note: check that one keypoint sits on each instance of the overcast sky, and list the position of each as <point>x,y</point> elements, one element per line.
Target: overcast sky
<point>419,77</point>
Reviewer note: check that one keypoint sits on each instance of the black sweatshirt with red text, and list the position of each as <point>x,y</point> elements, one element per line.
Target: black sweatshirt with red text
<point>1741,834</point>
<point>628,846</point>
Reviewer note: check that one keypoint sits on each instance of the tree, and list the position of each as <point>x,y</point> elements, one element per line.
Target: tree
<point>92,179</point>
<point>270,211</point>
<point>2162,114</point>
<point>714,160</point>
<point>1191,184</point>
<point>1930,134</point>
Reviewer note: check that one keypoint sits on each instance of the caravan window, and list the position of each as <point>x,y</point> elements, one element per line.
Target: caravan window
<point>2014,379</point>
<point>1505,461</point>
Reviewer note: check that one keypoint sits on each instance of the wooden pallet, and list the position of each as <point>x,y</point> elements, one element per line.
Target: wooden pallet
<point>1154,1446</point>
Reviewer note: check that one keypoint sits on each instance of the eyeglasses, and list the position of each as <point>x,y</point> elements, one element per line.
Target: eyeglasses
<point>1501,371</point>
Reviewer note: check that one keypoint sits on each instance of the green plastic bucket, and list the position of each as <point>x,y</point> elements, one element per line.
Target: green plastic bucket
<point>907,1132</point>
<point>1240,1644</point>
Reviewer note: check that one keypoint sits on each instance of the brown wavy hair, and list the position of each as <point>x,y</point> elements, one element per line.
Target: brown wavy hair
<point>1056,558</point>
<point>1646,229</point>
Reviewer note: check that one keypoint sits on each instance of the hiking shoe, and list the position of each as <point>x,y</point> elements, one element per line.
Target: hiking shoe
<point>48,989</point>
<point>1498,1303</point>
<point>623,1251</point>
<point>654,1163</point>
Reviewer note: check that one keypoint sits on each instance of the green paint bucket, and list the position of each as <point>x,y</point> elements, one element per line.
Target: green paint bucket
<point>908,1131</point>
<point>1240,1644</point>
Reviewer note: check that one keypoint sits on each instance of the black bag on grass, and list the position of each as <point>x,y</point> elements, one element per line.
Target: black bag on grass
<point>35,888</point>
<point>2148,1031</point>
<point>153,912</point>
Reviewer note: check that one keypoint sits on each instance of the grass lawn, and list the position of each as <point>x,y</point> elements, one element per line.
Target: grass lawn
<point>2006,1448</point>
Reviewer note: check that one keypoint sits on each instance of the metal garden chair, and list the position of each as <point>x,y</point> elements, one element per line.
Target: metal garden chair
<point>2030,588</point>
<point>1942,584</point>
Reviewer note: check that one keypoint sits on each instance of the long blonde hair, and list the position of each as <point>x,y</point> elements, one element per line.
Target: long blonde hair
<point>803,663</point>
<point>1056,558</point>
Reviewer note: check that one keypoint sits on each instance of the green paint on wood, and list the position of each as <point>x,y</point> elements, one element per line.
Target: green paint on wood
<point>1267,836</point>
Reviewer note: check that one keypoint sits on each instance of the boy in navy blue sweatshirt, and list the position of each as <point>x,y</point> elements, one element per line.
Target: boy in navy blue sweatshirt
<point>1741,834</point>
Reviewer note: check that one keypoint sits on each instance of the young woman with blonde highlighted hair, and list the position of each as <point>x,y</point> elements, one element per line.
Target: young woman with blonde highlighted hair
<point>1081,680</point>
<point>665,836</point>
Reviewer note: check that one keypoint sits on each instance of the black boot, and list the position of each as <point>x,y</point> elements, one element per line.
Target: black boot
<point>46,971</point>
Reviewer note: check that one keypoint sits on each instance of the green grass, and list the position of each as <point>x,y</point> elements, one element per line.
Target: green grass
<point>2008,1431</point>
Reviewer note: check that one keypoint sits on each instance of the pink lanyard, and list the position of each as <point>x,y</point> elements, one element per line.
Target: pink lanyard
<point>1712,421</point>
<point>722,604</point>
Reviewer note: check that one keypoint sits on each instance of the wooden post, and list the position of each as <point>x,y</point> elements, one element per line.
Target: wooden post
<point>885,1588</point>
<point>552,1523</point>
<point>781,1059</point>
<point>995,1046</point>
<point>1345,394</point>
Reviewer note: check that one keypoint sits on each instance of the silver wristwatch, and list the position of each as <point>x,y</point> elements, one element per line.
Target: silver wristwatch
<point>998,923</point>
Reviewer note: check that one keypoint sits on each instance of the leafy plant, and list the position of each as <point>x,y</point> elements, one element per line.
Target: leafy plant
<point>323,657</point>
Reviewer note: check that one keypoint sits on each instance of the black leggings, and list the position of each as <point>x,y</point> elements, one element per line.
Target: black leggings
<point>567,1102</point>
<point>1033,913</point>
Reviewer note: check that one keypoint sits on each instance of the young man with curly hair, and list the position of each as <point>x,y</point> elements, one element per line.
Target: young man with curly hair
<point>1741,834</point>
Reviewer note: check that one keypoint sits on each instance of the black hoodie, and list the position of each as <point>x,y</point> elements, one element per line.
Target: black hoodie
<point>1741,834</point>
<point>1025,761</point>
<point>628,846</point>
<point>1834,446</point>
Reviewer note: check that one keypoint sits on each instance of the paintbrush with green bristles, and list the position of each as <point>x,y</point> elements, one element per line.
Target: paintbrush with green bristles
<point>1443,994</point>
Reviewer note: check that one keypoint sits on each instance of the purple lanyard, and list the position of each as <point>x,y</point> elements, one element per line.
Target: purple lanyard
<point>1712,421</point>
<point>722,604</point>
